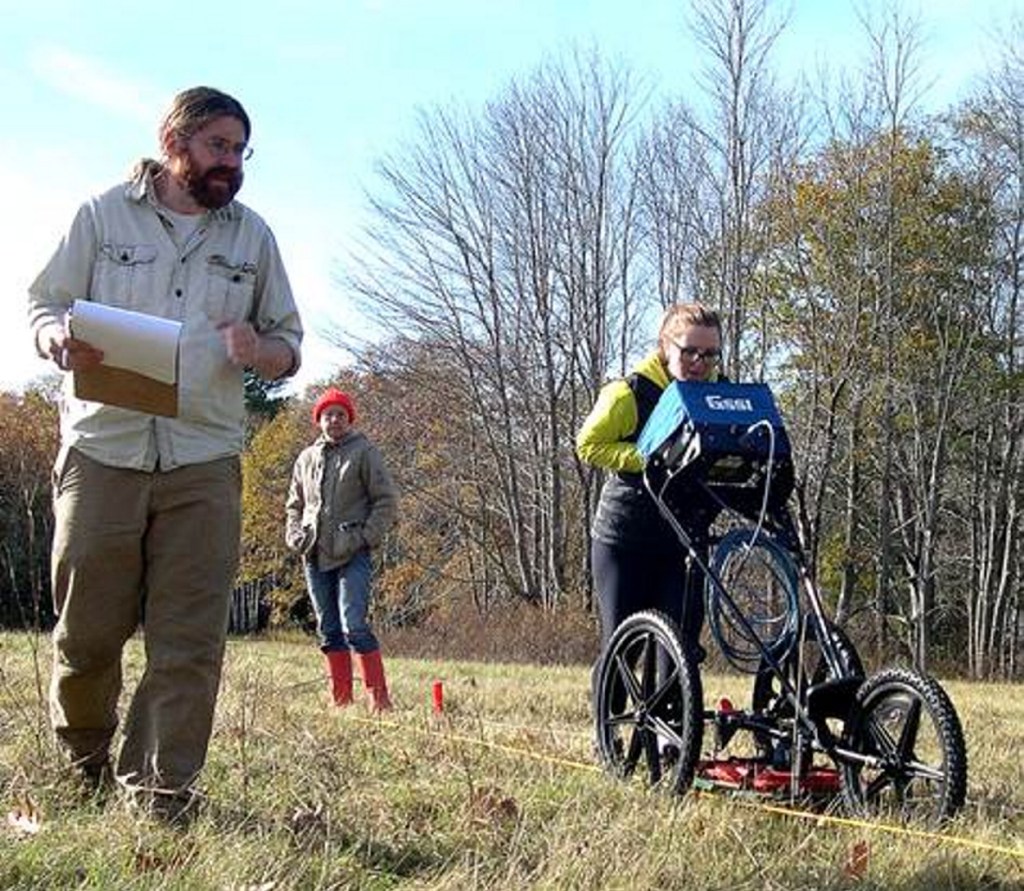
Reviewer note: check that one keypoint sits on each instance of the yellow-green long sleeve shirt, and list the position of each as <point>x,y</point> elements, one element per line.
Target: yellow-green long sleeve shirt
<point>602,439</point>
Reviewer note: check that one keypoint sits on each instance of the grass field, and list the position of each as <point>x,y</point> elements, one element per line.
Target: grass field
<point>499,791</point>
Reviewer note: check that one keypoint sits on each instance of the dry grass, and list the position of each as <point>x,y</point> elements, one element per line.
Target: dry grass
<point>499,791</point>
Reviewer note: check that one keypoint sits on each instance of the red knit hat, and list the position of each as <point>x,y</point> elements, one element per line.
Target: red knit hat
<point>334,396</point>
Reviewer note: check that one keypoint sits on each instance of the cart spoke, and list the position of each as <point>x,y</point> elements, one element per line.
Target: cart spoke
<point>650,666</point>
<point>653,756</point>
<point>920,770</point>
<point>625,673</point>
<point>884,744</point>
<point>874,789</point>
<point>911,726</point>
<point>665,731</point>
<point>635,746</point>
<point>667,686</point>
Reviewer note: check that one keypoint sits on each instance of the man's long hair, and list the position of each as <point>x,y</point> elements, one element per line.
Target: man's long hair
<point>189,112</point>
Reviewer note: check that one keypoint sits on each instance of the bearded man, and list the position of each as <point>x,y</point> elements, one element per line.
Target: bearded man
<point>147,508</point>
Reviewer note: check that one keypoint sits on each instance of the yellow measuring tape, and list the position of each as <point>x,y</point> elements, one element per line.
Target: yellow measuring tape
<point>764,806</point>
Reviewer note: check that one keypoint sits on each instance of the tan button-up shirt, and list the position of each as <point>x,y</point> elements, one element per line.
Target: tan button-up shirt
<point>121,251</point>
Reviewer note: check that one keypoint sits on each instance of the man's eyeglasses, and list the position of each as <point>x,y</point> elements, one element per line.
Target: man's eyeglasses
<point>691,352</point>
<point>221,148</point>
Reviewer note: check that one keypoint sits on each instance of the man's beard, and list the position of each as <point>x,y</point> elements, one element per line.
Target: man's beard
<point>213,188</point>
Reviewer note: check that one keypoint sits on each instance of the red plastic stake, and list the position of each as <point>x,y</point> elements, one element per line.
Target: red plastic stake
<point>438,697</point>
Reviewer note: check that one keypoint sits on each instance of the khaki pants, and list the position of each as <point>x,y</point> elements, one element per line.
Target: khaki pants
<point>156,549</point>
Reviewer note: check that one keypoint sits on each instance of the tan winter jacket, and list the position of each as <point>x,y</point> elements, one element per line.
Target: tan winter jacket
<point>361,511</point>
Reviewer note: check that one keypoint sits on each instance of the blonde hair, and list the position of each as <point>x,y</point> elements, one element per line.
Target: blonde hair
<point>680,316</point>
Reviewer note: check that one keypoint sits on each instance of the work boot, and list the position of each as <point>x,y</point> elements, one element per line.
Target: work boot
<point>372,669</point>
<point>339,670</point>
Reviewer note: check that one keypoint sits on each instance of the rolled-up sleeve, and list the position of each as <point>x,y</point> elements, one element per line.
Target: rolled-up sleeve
<point>65,277</point>
<point>276,314</point>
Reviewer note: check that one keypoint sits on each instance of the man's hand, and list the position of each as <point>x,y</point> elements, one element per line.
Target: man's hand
<point>270,357</point>
<point>242,343</point>
<point>68,352</point>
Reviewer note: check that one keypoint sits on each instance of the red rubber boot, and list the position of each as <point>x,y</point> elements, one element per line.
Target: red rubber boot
<point>339,670</point>
<point>372,669</point>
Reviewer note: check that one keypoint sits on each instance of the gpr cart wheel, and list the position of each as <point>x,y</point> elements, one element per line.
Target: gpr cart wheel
<point>906,722</point>
<point>766,685</point>
<point>849,659</point>
<point>767,694</point>
<point>648,703</point>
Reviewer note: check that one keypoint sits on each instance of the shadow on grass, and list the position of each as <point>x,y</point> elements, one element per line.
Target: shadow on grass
<point>314,832</point>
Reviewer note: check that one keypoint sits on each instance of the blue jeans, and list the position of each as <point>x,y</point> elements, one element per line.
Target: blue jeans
<point>341,598</point>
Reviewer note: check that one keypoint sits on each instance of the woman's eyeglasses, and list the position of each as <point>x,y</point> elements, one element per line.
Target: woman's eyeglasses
<point>691,352</point>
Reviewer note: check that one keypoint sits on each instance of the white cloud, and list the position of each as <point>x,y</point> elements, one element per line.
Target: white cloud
<point>91,81</point>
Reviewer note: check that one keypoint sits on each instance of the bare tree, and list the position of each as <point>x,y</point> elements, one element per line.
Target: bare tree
<point>891,71</point>
<point>503,242</point>
<point>991,129</point>
<point>28,435</point>
<point>672,182</point>
<point>881,253</point>
<point>742,132</point>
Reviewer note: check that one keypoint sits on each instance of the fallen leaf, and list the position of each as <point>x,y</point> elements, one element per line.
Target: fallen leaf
<point>491,805</point>
<point>306,820</point>
<point>156,861</point>
<point>25,819</point>
<point>856,866</point>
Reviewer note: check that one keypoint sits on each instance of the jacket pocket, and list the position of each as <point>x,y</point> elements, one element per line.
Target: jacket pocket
<point>348,541</point>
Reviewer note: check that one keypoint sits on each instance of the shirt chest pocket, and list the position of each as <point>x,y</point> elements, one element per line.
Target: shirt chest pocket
<point>230,287</point>
<point>125,275</point>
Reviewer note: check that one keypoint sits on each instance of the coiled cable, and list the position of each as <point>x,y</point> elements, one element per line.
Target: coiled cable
<point>760,613</point>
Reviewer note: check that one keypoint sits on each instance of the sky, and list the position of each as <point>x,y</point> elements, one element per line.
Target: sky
<point>332,87</point>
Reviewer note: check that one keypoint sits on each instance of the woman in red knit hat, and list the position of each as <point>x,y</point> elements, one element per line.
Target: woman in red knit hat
<point>340,504</point>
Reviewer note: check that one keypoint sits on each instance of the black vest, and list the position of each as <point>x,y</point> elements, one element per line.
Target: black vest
<point>646,394</point>
<point>626,513</point>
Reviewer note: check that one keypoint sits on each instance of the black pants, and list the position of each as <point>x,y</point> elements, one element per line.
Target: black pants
<point>630,579</point>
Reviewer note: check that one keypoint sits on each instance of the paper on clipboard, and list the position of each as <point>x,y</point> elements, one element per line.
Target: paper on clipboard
<point>140,358</point>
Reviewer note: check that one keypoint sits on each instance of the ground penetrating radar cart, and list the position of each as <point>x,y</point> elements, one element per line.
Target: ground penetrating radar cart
<point>817,730</point>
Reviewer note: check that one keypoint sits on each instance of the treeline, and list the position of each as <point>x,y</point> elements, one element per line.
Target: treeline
<point>865,256</point>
